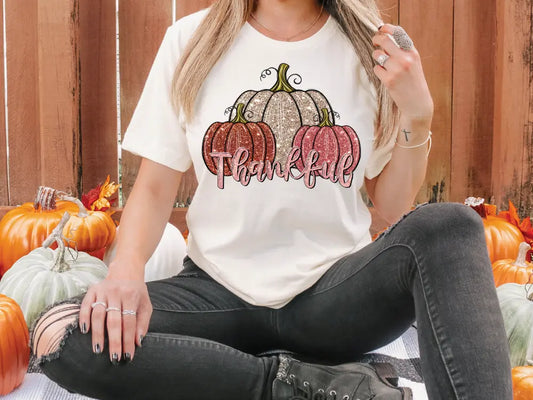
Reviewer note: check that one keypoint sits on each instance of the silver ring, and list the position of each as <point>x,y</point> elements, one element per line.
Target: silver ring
<point>402,38</point>
<point>382,59</point>
<point>129,312</point>
<point>98,303</point>
<point>112,309</point>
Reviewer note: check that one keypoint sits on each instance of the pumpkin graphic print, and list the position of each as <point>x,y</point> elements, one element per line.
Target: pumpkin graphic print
<point>281,132</point>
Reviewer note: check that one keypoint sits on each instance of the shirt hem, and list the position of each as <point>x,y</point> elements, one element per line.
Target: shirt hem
<point>213,271</point>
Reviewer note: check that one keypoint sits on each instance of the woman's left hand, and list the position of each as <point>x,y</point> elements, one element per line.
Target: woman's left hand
<point>403,76</point>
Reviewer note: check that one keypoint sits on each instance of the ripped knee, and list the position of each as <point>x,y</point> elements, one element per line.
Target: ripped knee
<point>52,328</point>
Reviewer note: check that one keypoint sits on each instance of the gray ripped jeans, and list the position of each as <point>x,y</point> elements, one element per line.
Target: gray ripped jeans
<point>203,341</point>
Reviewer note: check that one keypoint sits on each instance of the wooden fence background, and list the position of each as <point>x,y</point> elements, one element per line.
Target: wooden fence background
<point>61,126</point>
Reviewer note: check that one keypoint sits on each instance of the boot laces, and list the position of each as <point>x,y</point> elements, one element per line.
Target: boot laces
<point>304,391</point>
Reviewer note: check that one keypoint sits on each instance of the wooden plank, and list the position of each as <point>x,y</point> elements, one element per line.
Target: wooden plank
<point>433,39</point>
<point>4,189</point>
<point>389,10</point>
<point>186,7</point>
<point>98,92</point>
<point>512,162</point>
<point>473,98</point>
<point>59,94</point>
<point>22,99</point>
<point>142,25</point>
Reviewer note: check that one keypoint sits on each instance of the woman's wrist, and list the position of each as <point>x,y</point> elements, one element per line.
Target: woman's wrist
<point>414,131</point>
<point>126,268</point>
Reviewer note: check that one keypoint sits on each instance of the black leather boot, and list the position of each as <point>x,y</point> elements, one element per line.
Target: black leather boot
<point>297,380</point>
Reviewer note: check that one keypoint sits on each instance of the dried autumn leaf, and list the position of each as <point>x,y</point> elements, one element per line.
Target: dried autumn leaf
<point>525,226</point>
<point>98,198</point>
<point>89,198</point>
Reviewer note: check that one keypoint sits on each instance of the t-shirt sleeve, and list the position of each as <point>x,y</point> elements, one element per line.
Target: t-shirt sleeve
<point>156,131</point>
<point>379,158</point>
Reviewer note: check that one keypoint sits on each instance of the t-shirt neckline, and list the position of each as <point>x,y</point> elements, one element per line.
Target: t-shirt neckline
<point>317,36</point>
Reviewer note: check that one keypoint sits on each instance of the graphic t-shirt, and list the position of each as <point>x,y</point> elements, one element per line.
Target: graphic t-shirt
<point>281,140</point>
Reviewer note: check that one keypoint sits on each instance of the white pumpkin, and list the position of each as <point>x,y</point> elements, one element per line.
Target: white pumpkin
<point>45,276</point>
<point>167,259</point>
<point>516,304</point>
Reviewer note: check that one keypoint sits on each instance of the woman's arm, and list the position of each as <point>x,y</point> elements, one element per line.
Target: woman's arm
<point>393,191</point>
<point>143,221</point>
<point>141,227</point>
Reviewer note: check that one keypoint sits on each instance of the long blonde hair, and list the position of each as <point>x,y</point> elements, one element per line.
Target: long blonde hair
<point>358,19</point>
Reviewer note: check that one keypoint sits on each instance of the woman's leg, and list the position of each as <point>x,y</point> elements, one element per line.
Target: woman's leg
<point>182,355</point>
<point>432,265</point>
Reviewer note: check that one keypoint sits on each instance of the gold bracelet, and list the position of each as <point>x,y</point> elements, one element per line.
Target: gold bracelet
<point>419,145</point>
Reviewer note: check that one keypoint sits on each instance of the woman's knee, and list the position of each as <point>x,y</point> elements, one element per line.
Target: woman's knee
<point>52,329</point>
<point>448,222</point>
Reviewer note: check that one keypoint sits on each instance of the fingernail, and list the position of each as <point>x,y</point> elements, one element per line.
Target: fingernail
<point>127,357</point>
<point>381,26</point>
<point>141,337</point>
<point>97,349</point>
<point>84,328</point>
<point>114,359</point>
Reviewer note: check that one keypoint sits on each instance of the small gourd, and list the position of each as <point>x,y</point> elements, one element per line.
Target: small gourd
<point>45,276</point>
<point>513,271</point>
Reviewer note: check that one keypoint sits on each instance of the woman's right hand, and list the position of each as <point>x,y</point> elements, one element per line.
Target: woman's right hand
<point>124,331</point>
<point>142,224</point>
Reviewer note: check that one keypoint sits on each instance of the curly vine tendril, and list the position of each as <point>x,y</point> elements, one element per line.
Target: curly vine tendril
<point>267,72</point>
<point>249,115</point>
<point>296,79</point>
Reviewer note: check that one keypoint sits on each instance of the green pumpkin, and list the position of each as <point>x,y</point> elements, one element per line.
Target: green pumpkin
<point>45,276</point>
<point>516,303</point>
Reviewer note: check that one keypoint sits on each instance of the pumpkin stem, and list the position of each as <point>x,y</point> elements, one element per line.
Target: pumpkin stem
<point>325,121</point>
<point>521,258</point>
<point>240,114</point>
<point>282,83</point>
<point>478,204</point>
<point>45,199</point>
<point>82,212</point>
<point>59,264</point>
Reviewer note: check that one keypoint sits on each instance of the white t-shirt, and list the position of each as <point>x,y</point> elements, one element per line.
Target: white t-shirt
<point>278,198</point>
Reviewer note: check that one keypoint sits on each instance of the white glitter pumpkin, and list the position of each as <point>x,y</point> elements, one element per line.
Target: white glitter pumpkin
<point>283,108</point>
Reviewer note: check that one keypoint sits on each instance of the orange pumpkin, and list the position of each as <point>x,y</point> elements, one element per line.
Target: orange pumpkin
<point>89,231</point>
<point>522,383</point>
<point>27,226</point>
<point>513,271</point>
<point>503,238</point>
<point>14,349</point>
